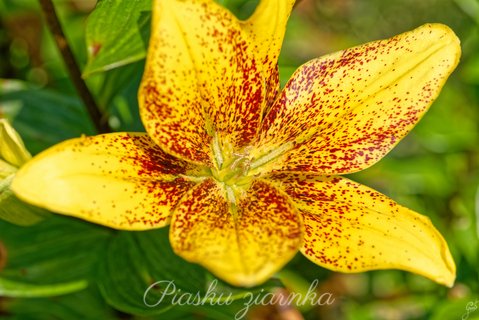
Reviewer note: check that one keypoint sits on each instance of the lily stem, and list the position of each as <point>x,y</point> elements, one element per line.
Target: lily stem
<point>96,115</point>
<point>296,3</point>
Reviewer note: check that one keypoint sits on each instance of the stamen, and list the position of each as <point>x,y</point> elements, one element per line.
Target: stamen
<point>217,151</point>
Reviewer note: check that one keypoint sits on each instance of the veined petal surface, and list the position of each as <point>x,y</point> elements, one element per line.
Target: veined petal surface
<point>120,180</point>
<point>352,228</point>
<point>242,238</point>
<point>201,80</point>
<point>343,112</point>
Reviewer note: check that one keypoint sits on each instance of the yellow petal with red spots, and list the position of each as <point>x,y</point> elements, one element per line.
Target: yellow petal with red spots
<point>352,228</point>
<point>120,180</point>
<point>201,80</point>
<point>343,112</point>
<point>241,236</point>
<point>266,29</point>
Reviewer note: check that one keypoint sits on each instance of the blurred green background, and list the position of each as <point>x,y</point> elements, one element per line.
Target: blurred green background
<point>434,170</point>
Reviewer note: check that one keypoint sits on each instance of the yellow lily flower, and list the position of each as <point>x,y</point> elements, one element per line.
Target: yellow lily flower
<point>246,175</point>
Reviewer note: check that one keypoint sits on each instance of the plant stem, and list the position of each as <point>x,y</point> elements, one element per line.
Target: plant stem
<point>296,3</point>
<point>55,27</point>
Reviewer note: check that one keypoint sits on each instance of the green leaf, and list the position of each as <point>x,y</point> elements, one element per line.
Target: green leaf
<point>465,308</point>
<point>118,31</point>
<point>17,289</point>
<point>143,276</point>
<point>240,8</point>
<point>407,307</point>
<point>56,251</point>
<point>83,305</point>
<point>117,34</point>
<point>145,258</point>
<point>42,117</point>
<point>118,95</point>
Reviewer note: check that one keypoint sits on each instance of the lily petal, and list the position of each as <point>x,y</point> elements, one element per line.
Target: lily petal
<point>201,80</point>
<point>242,238</point>
<point>352,228</point>
<point>120,180</point>
<point>12,148</point>
<point>266,29</point>
<point>343,112</point>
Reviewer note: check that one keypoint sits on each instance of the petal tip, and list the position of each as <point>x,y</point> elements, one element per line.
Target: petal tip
<point>448,35</point>
<point>449,276</point>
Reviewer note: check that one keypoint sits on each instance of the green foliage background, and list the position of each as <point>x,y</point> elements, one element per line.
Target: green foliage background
<point>61,268</point>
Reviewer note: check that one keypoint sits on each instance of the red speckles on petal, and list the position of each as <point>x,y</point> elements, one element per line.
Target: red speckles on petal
<point>243,242</point>
<point>265,30</point>
<point>344,112</point>
<point>201,79</point>
<point>203,210</point>
<point>351,228</point>
<point>185,137</point>
<point>121,180</point>
<point>231,83</point>
<point>135,149</point>
<point>266,214</point>
<point>170,104</point>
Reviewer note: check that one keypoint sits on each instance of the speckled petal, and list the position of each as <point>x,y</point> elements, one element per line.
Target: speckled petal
<point>120,180</point>
<point>343,112</point>
<point>266,28</point>
<point>201,80</point>
<point>244,242</point>
<point>352,228</point>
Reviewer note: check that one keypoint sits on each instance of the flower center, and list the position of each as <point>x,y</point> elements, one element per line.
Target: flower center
<point>233,171</point>
<point>238,168</point>
<point>231,166</point>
